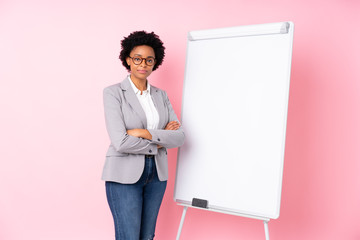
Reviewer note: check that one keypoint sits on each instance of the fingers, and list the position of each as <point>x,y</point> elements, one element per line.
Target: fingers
<point>173,125</point>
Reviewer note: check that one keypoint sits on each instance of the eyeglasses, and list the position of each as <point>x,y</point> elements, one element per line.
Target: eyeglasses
<point>150,61</point>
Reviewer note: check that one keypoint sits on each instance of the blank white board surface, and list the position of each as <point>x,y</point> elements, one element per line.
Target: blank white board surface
<point>234,113</point>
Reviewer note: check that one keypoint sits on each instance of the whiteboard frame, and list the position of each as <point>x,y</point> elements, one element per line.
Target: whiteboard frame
<point>250,30</point>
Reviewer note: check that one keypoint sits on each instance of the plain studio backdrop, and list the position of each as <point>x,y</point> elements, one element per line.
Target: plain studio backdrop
<point>57,56</point>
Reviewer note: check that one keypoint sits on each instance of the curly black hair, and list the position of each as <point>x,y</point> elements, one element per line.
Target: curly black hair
<point>139,38</point>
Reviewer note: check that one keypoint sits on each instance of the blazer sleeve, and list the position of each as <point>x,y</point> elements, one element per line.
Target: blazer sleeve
<point>115,125</point>
<point>168,138</point>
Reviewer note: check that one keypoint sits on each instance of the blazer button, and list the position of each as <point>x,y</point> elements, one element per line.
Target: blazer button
<point>150,151</point>
<point>159,139</point>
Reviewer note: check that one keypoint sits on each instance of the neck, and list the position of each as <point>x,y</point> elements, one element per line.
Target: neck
<point>139,83</point>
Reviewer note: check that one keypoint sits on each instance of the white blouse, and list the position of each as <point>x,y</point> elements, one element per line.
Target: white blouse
<point>152,115</point>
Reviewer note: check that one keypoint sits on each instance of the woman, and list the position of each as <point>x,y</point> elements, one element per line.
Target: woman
<point>141,124</point>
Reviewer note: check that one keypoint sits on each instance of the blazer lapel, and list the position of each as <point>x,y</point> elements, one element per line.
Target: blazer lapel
<point>133,101</point>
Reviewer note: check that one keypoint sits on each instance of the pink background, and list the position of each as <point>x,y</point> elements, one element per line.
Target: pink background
<point>57,56</point>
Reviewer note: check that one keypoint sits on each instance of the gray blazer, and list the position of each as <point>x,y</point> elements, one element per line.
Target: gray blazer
<point>125,156</point>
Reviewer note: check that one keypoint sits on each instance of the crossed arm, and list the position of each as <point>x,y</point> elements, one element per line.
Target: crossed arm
<point>144,133</point>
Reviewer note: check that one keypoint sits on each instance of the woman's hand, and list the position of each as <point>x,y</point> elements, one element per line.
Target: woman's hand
<point>173,125</point>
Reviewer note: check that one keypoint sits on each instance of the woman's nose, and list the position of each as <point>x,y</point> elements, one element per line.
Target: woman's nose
<point>143,62</point>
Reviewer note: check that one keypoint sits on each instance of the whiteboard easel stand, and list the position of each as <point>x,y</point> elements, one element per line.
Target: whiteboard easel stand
<point>265,220</point>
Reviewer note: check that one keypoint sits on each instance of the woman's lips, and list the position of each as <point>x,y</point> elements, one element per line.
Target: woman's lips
<point>142,71</point>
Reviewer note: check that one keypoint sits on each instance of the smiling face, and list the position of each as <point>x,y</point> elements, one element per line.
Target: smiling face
<point>142,71</point>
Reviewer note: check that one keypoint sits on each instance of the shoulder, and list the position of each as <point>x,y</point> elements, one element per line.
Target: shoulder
<point>157,90</point>
<point>112,88</point>
<point>117,88</point>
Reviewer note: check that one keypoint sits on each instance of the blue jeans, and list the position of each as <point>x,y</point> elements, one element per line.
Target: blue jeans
<point>135,206</point>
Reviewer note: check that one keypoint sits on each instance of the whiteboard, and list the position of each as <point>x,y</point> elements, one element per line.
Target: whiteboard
<point>234,113</point>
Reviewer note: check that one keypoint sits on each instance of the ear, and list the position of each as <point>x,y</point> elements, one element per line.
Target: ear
<point>128,61</point>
